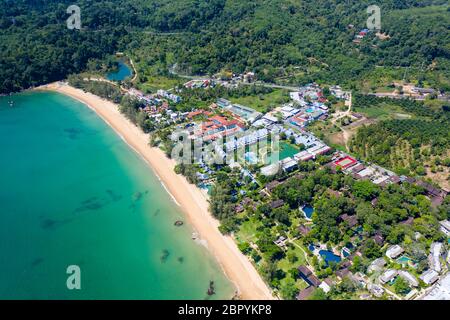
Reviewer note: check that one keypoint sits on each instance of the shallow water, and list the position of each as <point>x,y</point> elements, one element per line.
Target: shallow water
<point>73,193</point>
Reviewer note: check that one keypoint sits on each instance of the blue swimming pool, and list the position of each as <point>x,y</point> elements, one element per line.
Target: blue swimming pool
<point>308,211</point>
<point>329,256</point>
<point>403,260</point>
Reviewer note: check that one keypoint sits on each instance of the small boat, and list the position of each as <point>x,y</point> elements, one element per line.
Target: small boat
<point>211,290</point>
<point>178,223</point>
<point>194,236</point>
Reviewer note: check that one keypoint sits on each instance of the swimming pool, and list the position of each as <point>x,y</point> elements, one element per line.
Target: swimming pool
<point>308,211</point>
<point>403,260</point>
<point>329,256</point>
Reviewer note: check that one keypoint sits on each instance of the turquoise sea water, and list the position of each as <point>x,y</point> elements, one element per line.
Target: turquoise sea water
<point>121,74</point>
<point>73,193</point>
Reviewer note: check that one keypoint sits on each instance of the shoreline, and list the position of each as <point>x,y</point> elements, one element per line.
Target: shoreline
<point>188,197</point>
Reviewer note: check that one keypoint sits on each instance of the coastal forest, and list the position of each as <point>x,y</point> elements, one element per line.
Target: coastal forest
<point>283,41</point>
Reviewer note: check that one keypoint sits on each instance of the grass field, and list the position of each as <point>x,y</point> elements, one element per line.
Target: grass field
<point>155,83</point>
<point>383,111</point>
<point>263,102</point>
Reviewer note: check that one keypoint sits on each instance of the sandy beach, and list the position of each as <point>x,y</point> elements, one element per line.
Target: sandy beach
<point>190,198</point>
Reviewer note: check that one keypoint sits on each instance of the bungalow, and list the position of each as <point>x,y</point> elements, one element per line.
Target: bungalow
<point>395,179</point>
<point>342,273</point>
<point>350,220</point>
<point>445,227</point>
<point>304,230</point>
<point>394,251</point>
<point>376,290</point>
<point>381,181</point>
<point>288,111</point>
<point>326,285</point>
<point>281,241</point>
<point>306,293</point>
<point>408,277</point>
<point>366,173</point>
<point>304,272</point>
<point>388,276</point>
<point>377,265</point>
<point>357,168</point>
<point>379,239</point>
<point>299,121</point>
<point>407,222</point>
<point>429,277</point>
<point>435,256</point>
<point>272,185</point>
<point>276,204</point>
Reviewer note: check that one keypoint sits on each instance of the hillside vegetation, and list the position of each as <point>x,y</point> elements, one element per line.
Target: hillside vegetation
<point>282,40</point>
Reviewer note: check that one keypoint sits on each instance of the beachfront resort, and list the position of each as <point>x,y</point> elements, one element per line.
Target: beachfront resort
<point>275,186</point>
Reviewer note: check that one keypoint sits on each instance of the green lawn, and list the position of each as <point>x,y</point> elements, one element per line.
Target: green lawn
<point>155,83</point>
<point>262,102</point>
<point>383,111</point>
<point>247,231</point>
<point>286,265</point>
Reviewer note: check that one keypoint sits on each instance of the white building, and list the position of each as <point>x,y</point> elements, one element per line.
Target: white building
<point>377,265</point>
<point>288,164</point>
<point>435,256</point>
<point>408,277</point>
<point>376,290</point>
<point>388,275</point>
<point>394,251</point>
<point>445,227</point>
<point>271,169</point>
<point>429,277</point>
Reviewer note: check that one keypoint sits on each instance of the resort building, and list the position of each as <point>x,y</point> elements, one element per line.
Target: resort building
<point>350,220</point>
<point>388,276</point>
<point>435,256</point>
<point>377,265</point>
<point>394,251</point>
<point>326,285</point>
<point>288,164</point>
<point>305,293</point>
<point>308,276</point>
<point>319,149</point>
<point>247,114</point>
<point>218,126</point>
<point>429,277</point>
<point>303,156</point>
<point>276,204</point>
<point>376,290</point>
<point>271,169</point>
<point>408,277</point>
<point>445,227</point>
